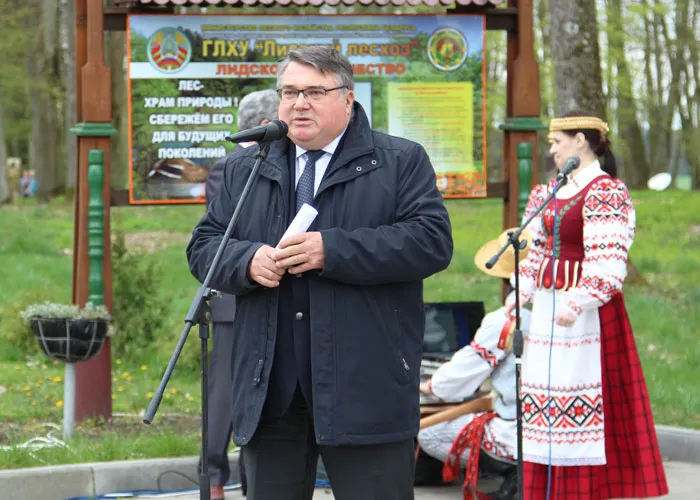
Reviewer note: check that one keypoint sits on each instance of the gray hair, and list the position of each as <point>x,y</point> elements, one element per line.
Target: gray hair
<point>256,107</point>
<point>324,59</point>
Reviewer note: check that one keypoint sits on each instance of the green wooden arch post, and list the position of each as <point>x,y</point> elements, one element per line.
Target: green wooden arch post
<point>524,150</point>
<point>96,209</point>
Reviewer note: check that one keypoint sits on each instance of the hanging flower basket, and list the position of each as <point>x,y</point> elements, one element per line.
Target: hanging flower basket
<point>66,332</point>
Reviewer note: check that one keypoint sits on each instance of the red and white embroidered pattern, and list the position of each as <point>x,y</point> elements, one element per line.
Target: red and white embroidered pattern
<point>564,438</point>
<point>563,412</point>
<point>530,267</point>
<point>608,233</point>
<point>561,343</point>
<point>490,443</point>
<point>485,354</point>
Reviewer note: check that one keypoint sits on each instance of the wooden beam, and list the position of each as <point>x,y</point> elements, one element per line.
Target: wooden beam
<point>496,19</point>
<point>93,394</point>
<point>115,19</point>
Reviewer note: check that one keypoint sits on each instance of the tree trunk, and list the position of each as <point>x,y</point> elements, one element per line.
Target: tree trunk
<point>115,54</point>
<point>574,32</point>
<point>5,193</point>
<point>547,85</point>
<point>634,157</point>
<point>689,105</point>
<point>43,147</point>
<point>69,78</point>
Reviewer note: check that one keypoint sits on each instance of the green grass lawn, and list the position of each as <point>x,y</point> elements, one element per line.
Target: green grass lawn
<point>36,246</point>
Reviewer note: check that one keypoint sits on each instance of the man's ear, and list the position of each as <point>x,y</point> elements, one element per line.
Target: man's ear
<point>349,99</point>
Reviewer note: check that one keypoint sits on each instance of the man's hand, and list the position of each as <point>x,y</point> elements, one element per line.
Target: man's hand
<point>425,387</point>
<point>262,268</point>
<point>300,253</point>
<point>565,318</point>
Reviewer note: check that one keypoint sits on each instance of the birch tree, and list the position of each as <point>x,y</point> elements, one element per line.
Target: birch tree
<point>576,57</point>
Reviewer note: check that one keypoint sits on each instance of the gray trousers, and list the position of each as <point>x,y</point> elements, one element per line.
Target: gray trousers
<point>220,397</point>
<point>281,459</point>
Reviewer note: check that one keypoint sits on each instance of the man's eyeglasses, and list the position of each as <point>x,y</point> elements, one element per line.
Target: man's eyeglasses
<point>311,94</point>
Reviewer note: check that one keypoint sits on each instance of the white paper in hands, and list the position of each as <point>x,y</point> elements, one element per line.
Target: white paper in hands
<point>302,221</point>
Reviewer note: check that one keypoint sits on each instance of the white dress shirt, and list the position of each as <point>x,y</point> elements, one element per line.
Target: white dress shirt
<point>321,163</point>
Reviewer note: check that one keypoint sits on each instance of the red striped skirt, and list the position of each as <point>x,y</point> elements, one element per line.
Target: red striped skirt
<point>634,468</point>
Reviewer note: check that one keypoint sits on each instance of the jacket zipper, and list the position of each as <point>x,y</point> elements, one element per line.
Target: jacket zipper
<point>257,374</point>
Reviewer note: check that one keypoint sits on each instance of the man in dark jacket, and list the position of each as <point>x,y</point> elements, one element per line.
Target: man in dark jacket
<point>329,324</point>
<point>256,108</point>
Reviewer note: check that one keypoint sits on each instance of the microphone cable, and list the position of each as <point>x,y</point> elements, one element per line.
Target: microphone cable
<point>551,342</point>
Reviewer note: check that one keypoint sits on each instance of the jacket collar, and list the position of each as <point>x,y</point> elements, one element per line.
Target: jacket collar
<point>356,142</point>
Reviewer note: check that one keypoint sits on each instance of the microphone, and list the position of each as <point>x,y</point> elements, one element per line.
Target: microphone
<point>571,164</point>
<point>269,132</point>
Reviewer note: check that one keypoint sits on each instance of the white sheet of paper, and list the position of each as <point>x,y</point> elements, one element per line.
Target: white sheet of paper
<point>303,219</point>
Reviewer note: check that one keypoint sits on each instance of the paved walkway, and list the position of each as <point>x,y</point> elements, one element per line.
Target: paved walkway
<point>683,478</point>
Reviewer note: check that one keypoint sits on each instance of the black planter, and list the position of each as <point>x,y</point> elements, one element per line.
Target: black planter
<point>70,340</point>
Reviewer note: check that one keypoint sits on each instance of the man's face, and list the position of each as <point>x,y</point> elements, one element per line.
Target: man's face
<point>314,124</point>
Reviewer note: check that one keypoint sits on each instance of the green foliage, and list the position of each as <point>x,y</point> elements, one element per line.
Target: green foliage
<point>113,444</point>
<point>15,333</point>
<point>139,305</point>
<point>68,311</point>
<point>157,289</point>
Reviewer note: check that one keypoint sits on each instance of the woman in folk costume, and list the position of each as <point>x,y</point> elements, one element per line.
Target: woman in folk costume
<point>580,353</point>
<point>486,440</point>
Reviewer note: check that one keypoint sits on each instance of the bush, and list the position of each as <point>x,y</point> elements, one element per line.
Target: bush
<point>138,307</point>
<point>14,332</point>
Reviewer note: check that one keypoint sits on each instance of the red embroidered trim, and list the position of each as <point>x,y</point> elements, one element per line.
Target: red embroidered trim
<point>485,354</point>
<point>576,309</point>
<point>575,343</point>
<point>578,412</point>
<point>469,437</point>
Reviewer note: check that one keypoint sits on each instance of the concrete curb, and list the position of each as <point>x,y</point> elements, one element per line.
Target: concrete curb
<point>78,480</point>
<point>679,444</point>
<point>67,481</point>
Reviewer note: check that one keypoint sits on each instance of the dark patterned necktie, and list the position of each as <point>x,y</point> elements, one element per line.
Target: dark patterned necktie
<point>305,186</point>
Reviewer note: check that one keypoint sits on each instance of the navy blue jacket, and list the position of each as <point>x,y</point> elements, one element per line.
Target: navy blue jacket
<point>384,228</point>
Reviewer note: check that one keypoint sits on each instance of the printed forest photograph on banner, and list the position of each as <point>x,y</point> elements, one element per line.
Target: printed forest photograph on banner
<point>418,77</point>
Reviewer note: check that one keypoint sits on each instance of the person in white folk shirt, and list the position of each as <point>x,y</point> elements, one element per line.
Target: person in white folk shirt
<point>489,355</point>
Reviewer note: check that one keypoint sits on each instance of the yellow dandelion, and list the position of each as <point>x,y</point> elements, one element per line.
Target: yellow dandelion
<point>119,361</point>
<point>58,379</point>
<point>150,394</point>
<point>121,389</point>
<point>126,374</point>
<point>115,397</point>
<point>34,402</point>
<point>18,367</point>
<point>174,391</point>
<point>144,367</point>
<point>167,396</point>
<point>29,393</point>
<point>114,379</point>
<point>191,398</point>
<point>128,379</point>
<point>59,403</point>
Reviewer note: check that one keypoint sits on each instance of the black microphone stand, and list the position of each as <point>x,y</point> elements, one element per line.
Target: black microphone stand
<point>518,342</point>
<point>200,313</point>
